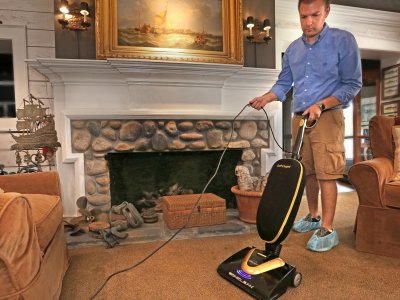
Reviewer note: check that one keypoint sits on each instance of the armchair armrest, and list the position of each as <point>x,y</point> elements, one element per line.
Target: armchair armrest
<point>32,183</point>
<point>20,255</point>
<point>369,178</point>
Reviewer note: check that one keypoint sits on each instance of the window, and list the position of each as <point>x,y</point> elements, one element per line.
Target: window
<point>7,94</point>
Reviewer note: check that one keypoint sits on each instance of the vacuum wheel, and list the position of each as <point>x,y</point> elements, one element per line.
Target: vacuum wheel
<point>296,281</point>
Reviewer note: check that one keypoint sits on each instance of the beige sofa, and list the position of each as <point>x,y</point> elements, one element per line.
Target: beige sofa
<point>33,251</point>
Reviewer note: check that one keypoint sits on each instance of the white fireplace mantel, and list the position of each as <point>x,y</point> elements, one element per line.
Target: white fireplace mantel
<point>146,89</point>
<point>143,87</point>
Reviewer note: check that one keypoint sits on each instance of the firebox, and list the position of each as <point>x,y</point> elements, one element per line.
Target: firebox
<point>135,175</point>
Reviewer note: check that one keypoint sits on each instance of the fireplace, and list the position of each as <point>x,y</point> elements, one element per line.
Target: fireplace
<point>130,146</point>
<point>122,106</point>
<point>143,178</point>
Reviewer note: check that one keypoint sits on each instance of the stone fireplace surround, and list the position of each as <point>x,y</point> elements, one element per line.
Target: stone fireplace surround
<point>114,91</point>
<point>96,138</point>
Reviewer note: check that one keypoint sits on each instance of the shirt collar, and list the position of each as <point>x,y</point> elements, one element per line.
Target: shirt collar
<point>322,34</point>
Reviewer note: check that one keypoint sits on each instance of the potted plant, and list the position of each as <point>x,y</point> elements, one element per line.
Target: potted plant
<point>248,193</point>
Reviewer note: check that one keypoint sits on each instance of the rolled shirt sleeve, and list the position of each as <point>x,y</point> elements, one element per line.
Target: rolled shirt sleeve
<point>284,82</point>
<point>349,71</point>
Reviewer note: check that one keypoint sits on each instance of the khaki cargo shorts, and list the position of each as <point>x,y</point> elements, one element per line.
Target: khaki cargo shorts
<point>323,145</point>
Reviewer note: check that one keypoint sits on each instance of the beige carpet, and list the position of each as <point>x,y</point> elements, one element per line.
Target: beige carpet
<point>186,269</point>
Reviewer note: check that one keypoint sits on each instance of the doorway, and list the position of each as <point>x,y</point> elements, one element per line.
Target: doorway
<point>365,105</point>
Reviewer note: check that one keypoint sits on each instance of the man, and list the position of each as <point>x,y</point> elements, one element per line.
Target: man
<point>324,68</point>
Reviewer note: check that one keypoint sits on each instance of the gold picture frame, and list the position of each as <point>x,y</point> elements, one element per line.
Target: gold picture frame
<point>206,31</point>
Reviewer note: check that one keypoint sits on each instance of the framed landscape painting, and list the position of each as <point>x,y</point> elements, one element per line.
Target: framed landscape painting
<point>207,31</point>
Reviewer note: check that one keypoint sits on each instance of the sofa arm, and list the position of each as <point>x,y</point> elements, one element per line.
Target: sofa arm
<point>369,179</point>
<point>20,255</point>
<point>32,183</point>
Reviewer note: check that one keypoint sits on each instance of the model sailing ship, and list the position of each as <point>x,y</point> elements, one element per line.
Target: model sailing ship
<point>36,125</point>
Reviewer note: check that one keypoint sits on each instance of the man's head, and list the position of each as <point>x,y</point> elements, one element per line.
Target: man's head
<point>312,17</point>
<point>326,2</point>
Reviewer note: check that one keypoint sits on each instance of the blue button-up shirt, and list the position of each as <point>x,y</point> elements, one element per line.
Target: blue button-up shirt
<point>329,67</point>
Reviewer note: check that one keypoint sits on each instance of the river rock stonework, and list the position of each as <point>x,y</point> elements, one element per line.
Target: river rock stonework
<point>96,138</point>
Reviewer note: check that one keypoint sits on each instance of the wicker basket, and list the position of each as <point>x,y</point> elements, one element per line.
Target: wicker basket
<point>211,210</point>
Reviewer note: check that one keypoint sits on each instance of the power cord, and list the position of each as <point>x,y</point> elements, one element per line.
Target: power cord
<point>272,132</point>
<point>193,209</point>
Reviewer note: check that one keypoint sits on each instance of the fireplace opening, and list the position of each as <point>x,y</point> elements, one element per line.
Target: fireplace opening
<point>135,173</point>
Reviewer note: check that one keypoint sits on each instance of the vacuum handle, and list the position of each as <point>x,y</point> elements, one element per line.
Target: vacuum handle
<point>299,138</point>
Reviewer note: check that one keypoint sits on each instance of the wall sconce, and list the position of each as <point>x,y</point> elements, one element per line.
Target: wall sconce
<point>74,17</point>
<point>258,32</point>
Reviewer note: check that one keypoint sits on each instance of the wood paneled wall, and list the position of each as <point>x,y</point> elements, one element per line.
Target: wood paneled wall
<point>37,16</point>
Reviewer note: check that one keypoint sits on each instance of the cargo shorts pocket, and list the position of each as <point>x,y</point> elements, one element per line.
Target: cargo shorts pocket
<point>335,161</point>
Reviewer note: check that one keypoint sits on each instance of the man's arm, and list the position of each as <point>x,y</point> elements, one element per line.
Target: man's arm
<point>315,110</point>
<point>280,88</point>
<point>351,79</point>
<point>261,101</point>
<point>350,71</point>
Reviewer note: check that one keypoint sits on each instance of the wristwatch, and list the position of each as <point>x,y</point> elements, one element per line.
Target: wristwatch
<point>321,106</point>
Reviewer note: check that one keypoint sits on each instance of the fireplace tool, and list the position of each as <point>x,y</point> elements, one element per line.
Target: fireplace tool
<point>262,273</point>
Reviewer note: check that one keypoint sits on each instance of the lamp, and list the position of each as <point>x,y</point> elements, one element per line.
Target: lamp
<point>258,32</point>
<point>250,25</point>
<point>266,28</point>
<point>74,17</point>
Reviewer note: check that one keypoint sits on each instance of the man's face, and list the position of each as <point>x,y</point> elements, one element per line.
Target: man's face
<point>312,18</point>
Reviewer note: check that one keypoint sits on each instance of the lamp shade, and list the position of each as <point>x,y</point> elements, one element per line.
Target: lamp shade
<point>250,22</point>
<point>84,9</point>
<point>266,24</point>
<point>64,7</point>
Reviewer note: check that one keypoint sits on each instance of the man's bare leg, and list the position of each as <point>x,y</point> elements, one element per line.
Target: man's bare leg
<point>328,200</point>
<point>322,240</point>
<point>312,191</point>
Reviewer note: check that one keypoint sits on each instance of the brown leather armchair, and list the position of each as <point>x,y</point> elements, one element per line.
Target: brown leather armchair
<point>377,225</point>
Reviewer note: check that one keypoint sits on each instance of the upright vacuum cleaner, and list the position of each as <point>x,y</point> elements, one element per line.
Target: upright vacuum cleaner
<point>262,273</point>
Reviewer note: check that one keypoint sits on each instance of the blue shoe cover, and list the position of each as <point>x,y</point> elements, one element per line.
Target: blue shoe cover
<point>306,224</point>
<point>321,242</point>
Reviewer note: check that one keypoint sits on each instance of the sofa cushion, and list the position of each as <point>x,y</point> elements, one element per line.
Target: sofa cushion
<point>380,136</point>
<point>392,194</point>
<point>47,212</point>
<point>32,183</point>
<point>396,139</point>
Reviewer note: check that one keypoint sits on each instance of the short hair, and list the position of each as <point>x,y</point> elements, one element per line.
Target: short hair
<point>326,2</point>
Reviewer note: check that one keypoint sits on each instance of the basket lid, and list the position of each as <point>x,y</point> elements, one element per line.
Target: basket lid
<point>186,202</point>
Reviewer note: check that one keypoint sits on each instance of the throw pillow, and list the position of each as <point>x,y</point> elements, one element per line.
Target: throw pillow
<point>396,138</point>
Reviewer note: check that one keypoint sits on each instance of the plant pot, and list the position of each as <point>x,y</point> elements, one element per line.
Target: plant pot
<point>247,202</point>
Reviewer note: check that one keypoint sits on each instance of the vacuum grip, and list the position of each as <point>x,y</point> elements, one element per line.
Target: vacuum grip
<point>299,138</point>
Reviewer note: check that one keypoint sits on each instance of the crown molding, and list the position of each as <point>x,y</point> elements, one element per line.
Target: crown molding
<point>360,21</point>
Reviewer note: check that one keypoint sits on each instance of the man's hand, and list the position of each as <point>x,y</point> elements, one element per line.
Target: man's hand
<point>314,112</point>
<point>259,102</point>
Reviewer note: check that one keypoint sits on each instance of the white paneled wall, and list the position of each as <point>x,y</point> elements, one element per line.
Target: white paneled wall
<point>38,17</point>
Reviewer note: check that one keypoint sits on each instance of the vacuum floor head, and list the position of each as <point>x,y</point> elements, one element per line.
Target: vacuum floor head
<point>265,285</point>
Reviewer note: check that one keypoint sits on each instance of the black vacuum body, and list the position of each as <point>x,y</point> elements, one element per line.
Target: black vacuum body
<point>262,273</point>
